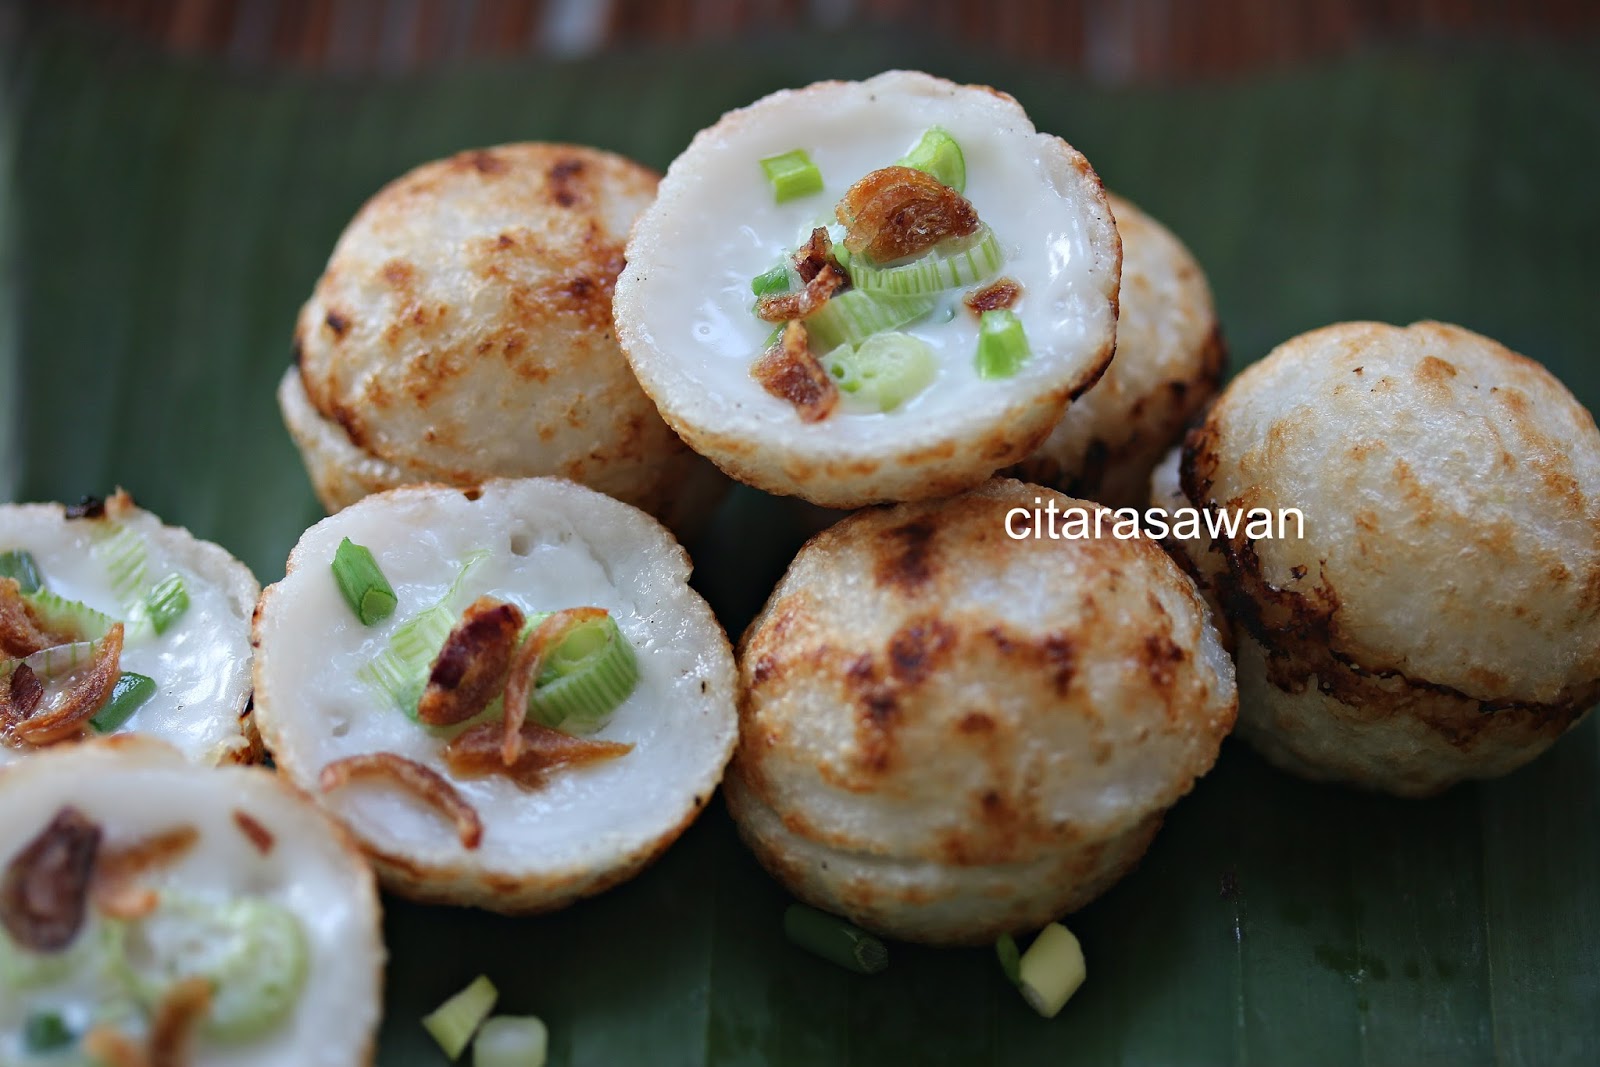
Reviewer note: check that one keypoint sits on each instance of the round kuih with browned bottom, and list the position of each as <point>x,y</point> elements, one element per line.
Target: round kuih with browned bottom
<point>947,734</point>
<point>462,331</point>
<point>1440,618</point>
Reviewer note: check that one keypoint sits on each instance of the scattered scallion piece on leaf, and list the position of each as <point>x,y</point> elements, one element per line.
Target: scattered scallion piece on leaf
<point>365,589</point>
<point>772,283</point>
<point>511,1041</point>
<point>18,563</point>
<point>1051,970</point>
<point>453,1023</point>
<point>792,175</point>
<point>1002,344</point>
<point>1010,959</point>
<point>835,940</point>
<point>885,370</point>
<point>130,692</point>
<point>585,678</point>
<point>938,154</point>
<point>44,1031</point>
<point>166,602</point>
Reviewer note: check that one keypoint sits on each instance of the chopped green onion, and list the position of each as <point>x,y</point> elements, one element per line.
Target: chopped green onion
<point>855,315</point>
<point>44,1031</point>
<point>57,613</point>
<point>130,692</point>
<point>1010,959</point>
<point>792,174</point>
<point>365,589</point>
<point>585,678</point>
<point>950,264</point>
<point>1051,970</point>
<point>18,563</point>
<point>54,661</point>
<point>166,602</point>
<point>938,154</point>
<point>511,1041</point>
<point>835,940</point>
<point>125,555</point>
<point>772,283</point>
<point>453,1023</point>
<point>1002,344</point>
<point>400,671</point>
<point>885,370</point>
<point>253,951</point>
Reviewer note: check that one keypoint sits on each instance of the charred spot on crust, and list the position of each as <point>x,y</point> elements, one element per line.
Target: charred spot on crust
<point>878,713</point>
<point>398,273</point>
<point>45,890</point>
<point>906,560</point>
<point>918,648</point>
<point>566,186</point>
<point>975,722</point>
<point>337,322</point>
<point>1161,657</point>
<point>485,161</point>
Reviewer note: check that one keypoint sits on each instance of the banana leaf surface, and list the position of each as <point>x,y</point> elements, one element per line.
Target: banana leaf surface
<point>163,218</point>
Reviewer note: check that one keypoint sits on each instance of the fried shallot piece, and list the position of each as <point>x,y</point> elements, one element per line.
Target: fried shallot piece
<point>898,211</point>
<point>422,782</point>
<point>20,631</point>
<point>781,307</point>
<point>116,891</point>
<point>45,889</point>
<point>789,371</point>
<point>471,667</point>
<point>20,696</point>
<point>477,753</point>
<point>86,695</point>
<point>998,294</point>
<point>525,670</point>
<point>177,1017</point>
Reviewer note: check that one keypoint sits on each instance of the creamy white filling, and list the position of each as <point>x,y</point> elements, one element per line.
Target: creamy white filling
<point>313,651</point>
<point>200,664</point>
<point>305,872</point>
<point>729,218</point>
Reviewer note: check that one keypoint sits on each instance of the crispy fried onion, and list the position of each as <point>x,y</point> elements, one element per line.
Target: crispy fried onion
<point>525,669</point>
<point>109,1046</point>
<point>21,696</point>
<point>85,695</point>
<point>998,294</point>
<point>423,782</point>
<point>21,633</point>
<point>479,752</point>
<point>116,891</point>
<point>814,255</point>
<point>258,835</point>
<point>45,889</point>
<point>789,371</point>
<point>172,1027</point>
<point>471,667</point>
<point>781,307</point>
<point>897,211</point>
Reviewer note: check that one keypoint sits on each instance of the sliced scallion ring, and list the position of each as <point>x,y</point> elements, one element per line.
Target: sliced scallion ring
<point>253,952</point>
<point>166,602</point>
<point>771,283</point>
<point>1002,344</point>
<point>400,671</point>
<point>126,559</point>
<point>834,939</point>
<point>884,371</point>
<point>57,613</point>
<point>365,589</point>
<point>18,564</point>
<point>792,174</point>
<point>130,692</point>
<point>855,315</point>
<point>585,678</point>
<point>938,154</point>
<point>948,265</point>
<point>1051,970</point>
